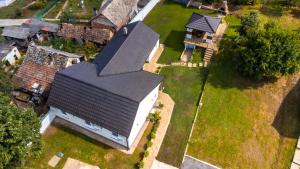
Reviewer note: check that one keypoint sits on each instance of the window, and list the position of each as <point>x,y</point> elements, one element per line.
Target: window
<point>64,113</point>
<point>88,123</point>
<point>115,134</point>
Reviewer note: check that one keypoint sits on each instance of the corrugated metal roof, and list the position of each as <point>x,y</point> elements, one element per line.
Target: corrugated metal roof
<point>203,23</point>
<point>16,32</point>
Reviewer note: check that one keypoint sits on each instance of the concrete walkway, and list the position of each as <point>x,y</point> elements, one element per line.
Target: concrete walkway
<point>166,114</point>
<point>152,65</point>
<point>11,22</point>
<point>191,162</point>
<point>161,165</point>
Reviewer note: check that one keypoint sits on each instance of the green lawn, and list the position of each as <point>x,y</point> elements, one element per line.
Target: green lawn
<point>243,123</point>
<point>184,86</point>
<point>83,148</point>
<point>169,19</point>
<point>83,13</point>
<point>11,11</point>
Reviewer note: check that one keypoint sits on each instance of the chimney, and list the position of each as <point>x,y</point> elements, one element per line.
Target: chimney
<point>125,31</point>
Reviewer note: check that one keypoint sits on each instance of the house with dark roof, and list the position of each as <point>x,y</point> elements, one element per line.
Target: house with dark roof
<point>200,30</point>
<point>112,96</point>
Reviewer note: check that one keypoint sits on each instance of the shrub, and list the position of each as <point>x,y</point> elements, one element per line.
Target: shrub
<point>141,164</point>
<point>68,17</point>
<point>152,135</point>
<point>149,144</point>
<point>146,153</point>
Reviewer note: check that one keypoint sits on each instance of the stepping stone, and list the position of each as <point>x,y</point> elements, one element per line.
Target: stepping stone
<point>296,158</point>
<point>54,161</point>
<point>295,166</point>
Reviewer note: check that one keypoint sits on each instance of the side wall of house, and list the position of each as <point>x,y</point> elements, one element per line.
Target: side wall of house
<point>144,109</point>
<point>153,51</point>
<point>46,121</point>
<point>145,11</point>
<point>90,126</point>
<point>11,56</point>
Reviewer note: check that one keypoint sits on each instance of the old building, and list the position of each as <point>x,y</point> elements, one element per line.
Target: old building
<point>9,53</point>
<point>113,96</point>
<point>39,67</point>
<point>111,16</point>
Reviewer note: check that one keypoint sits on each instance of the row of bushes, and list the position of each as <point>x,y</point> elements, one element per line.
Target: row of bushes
<point>155,119</point>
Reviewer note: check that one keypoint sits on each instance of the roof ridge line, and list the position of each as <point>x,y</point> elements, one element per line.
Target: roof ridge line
<point>121,44</point>
<point>208,23</point>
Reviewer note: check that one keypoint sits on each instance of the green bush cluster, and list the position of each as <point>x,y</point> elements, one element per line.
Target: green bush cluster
<point>155,119</point>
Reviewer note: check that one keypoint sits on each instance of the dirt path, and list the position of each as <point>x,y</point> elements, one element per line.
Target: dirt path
<point>62,9</point>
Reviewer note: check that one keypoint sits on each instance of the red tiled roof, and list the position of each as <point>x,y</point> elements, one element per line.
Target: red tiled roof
<point>30,73</point>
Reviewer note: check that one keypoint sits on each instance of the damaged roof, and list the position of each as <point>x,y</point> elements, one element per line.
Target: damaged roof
<point>203,23</point>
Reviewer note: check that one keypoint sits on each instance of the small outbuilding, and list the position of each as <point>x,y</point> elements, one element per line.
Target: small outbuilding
<point>9,53</point>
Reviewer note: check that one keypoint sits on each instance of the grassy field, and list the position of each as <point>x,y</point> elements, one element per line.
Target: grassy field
<point>11,10</point>
<point>83,13</point>
<point>166,20</point>
<point>80,147</point>
<point>184,86</point>
<point>243,123</point>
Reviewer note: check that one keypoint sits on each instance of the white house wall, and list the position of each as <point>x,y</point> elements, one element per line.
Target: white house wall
<point>93,127</point>
<point>153,51</point>
<point>144,109</point>
<point>10,57</point>
<point>145,11</point>
<point>46,121</point>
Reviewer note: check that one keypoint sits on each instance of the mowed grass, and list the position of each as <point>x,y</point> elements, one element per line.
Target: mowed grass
<point>169,20</point>
<point>184,86</point>
<point>244,123</point>
<point>55,10</point>
<point>80,147</point>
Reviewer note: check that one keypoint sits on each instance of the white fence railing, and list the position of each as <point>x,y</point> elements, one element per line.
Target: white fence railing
<point>145,11</point>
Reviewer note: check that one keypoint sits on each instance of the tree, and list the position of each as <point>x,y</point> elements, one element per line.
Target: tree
<point>19,134</point>
<point>249,22</point>
<point>268,51</point>
<point>6,85</point>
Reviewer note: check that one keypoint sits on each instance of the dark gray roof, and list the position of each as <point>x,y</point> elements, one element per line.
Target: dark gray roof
<point>16,32</point>
<point>203,23</point>
<point>127,53</point>
<point>132,85</point>
<point>109,101</point>
<point>5,48</point>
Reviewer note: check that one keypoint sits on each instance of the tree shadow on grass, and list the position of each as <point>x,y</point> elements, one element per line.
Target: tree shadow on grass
<point>295,13</point>
<point>175,40</point>
<point>287,120</point>
<point>272,11</point>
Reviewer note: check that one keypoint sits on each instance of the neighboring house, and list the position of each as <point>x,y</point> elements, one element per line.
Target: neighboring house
<point>114,14</point>
<point>111,16</point>
<point>39,67</point>
<point>113,96</point>
<point>200,30</point>
<point>6,2</point>
<point>9,54</point>
<point>28,31</point>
